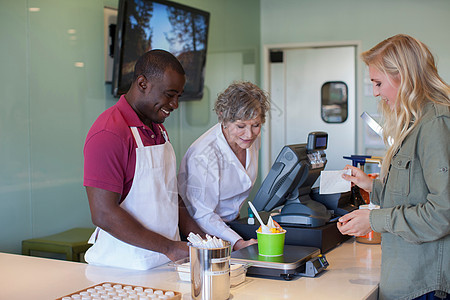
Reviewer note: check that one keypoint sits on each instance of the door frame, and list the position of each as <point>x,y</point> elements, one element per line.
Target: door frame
<point>266,136</point>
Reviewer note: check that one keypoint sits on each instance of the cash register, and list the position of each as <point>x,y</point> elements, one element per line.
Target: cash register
<point>287,195</point>
<point>305,214</point>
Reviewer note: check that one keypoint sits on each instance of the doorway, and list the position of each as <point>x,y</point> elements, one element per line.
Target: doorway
<point>312,88</point>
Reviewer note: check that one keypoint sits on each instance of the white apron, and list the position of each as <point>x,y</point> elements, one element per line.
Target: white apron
<point>152,200</point>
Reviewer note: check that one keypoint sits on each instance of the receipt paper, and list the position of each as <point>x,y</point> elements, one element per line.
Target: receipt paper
<point>331,182</point>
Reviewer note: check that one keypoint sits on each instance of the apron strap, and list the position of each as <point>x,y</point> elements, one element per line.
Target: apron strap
<point>137,137</point>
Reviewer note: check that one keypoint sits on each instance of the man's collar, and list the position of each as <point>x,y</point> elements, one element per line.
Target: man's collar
<point>128,113</point>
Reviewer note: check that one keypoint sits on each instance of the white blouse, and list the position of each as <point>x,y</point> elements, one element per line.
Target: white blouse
<point>214,184</point>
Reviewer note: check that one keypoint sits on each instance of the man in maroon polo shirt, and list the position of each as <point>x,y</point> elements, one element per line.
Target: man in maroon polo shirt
<point>130,172</point>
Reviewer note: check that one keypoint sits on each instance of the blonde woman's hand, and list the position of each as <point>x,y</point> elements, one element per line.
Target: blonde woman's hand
<point>359,178</point>
<point>355,223</point>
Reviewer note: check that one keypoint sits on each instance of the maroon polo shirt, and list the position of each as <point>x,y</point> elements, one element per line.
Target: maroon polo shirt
<point>110,148</point>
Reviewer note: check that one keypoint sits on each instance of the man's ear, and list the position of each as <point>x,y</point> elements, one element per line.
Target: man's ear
<point>142,82</point>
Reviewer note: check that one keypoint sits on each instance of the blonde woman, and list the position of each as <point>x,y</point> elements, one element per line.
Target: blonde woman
<point>413,189</point>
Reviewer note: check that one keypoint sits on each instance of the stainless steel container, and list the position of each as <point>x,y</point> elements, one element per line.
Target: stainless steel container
<point>210,272</point>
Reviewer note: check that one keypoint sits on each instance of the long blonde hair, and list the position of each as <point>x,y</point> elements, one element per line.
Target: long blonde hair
<point>409,60</point>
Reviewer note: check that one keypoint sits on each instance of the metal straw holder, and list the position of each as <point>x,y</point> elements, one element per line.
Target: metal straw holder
<point>210,272</point>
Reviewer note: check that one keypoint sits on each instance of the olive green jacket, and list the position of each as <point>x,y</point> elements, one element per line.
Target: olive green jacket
<point>414,218</point>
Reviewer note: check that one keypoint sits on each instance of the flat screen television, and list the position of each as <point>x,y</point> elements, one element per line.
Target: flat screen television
<point>143,25</point>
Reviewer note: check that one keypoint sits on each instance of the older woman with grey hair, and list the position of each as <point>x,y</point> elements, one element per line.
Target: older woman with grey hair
<point>220,168</point>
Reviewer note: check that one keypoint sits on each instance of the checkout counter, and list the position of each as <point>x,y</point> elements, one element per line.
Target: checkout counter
<point>353,273</point>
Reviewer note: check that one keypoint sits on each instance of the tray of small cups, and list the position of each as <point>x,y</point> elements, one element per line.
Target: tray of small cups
<point>117,291</point>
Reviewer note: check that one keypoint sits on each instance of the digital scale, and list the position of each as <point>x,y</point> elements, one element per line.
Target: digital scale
<point>296,261</point>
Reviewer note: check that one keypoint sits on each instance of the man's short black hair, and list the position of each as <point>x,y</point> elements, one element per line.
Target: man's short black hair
<point>154,63</point>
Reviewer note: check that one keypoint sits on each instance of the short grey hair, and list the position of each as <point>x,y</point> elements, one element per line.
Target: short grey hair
<point>242,100</point>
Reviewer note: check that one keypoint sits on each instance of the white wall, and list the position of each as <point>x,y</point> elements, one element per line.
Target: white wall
<point>367,21</point>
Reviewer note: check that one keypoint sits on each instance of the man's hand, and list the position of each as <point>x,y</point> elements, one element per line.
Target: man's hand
<point>177,251</point>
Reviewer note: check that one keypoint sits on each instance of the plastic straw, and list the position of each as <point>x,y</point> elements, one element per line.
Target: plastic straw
<point>210,242</point>
<point>264,227</point>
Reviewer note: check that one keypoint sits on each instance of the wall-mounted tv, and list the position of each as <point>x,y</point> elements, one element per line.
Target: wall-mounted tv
<point>143,25</point>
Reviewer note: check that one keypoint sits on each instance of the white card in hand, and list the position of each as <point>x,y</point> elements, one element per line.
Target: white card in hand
<point>331,182</point>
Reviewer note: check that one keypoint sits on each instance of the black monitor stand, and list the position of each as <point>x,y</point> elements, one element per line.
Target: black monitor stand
<point>302,210</point>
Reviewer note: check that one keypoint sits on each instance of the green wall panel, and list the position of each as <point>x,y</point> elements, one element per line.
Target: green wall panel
<point>52,80</point>
<point>15,186</point>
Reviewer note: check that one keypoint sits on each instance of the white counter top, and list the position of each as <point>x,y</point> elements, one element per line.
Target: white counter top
<point>353,273</point>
